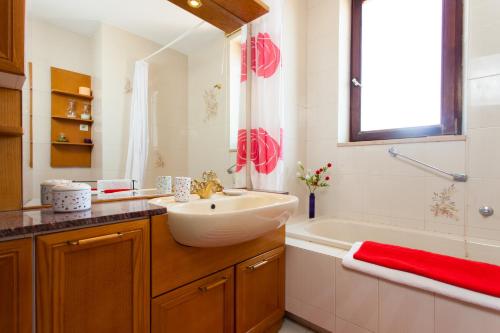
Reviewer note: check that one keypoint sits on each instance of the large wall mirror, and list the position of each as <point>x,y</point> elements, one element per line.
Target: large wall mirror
<point>80,59</point>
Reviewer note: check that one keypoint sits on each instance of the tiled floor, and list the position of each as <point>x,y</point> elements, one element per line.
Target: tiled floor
<point>292,327</point>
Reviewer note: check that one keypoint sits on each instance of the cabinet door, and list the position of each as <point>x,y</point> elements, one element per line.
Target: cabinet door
<point>11,43</point>
<point>15,286</point>
<point>205,305</point>
<point>260,292</point>
<point>94,280</point>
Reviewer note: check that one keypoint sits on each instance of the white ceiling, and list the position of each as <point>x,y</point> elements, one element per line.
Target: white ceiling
<point>156,20</point>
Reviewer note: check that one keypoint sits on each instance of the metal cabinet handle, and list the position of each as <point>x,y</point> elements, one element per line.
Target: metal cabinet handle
<point>213,285</point>
<point>356,82</point>
<point>95,239</point>
<point>257,265</point>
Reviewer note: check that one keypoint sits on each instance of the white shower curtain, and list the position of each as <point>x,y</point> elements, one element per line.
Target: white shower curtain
<point>267,113</point>
<point>138,144</point>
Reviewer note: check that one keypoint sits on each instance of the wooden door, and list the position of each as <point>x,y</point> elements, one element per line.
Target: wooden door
<point>94,280</point>
<point>206,305</point>
<point>15,286</point>
<point>12,43</point>
<point>260,292</point>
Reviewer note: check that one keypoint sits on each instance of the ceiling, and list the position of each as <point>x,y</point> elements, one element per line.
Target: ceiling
<point>156,20</point>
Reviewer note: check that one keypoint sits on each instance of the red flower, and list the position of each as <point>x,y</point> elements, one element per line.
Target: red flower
<point>318,172</point>
<point>267,60</point>
<point>265,151</point>
<point>329,165</point>
<point>327,178</point>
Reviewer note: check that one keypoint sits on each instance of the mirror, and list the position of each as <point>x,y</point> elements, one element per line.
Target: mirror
<point>78,96</point>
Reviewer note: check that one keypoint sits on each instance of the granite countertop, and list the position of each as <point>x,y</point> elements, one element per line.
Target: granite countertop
<point>26,223</point>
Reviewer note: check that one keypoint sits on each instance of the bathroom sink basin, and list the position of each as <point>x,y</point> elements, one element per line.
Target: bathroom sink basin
<point>224,220</point>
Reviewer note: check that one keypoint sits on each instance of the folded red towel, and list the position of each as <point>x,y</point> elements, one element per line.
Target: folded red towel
<point>468,274</point>
<point>116,190</point>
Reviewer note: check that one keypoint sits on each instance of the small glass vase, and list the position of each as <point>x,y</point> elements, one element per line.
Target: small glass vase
<point>312,205</point>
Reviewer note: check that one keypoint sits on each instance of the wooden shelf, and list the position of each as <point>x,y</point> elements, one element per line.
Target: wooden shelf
<point>72,144</point>
<point>75,153</point>
<point>70,94</point>
<point>79,120</point>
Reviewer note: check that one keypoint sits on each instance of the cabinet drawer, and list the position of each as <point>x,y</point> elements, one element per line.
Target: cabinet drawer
<point>205,305</point>
<point>260,291</point>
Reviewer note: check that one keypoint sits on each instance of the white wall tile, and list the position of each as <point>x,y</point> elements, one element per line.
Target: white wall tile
<point>484,156</point>
<point>399,197</point>
<point>405,310</point>
<point>356,297</point>
<point>342,326</point>
<point>450,224</point>
<point>483,192</point>
<point>456,317</point>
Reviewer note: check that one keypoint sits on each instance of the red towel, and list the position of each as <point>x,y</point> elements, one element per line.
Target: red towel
<point>473,275</point>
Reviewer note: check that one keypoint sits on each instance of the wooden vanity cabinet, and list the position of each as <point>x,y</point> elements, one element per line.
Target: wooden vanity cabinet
<point>178,305</point>
<point>94,280</point>
<point>15,286</point>
<point>260,292</point>
<point>206,305</point>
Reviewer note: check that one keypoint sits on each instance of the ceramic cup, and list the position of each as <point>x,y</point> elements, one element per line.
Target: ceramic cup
<point>164,184</point>
<point>182,189</point>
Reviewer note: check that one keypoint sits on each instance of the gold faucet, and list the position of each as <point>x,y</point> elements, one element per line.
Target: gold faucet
<point>208,185</point>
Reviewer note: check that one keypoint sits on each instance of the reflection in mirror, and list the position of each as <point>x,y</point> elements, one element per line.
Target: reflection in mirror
<point>78,102</point>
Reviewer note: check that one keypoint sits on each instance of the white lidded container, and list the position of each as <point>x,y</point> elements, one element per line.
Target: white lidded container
<point>72,197</point>
<point>46,189</point>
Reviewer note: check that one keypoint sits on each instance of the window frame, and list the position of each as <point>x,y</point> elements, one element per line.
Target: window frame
<point>451,79</point>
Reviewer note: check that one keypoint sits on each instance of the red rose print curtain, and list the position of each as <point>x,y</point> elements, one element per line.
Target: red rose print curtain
<point>266,134</point>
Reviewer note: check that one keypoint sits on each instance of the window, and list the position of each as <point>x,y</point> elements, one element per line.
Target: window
<point>234,88</point>
<point>406,59</point>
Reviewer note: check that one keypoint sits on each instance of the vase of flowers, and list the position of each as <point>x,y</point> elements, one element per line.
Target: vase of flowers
<point>313,180</point>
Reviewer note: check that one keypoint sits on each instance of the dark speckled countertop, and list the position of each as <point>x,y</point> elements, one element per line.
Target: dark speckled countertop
<point>26,223</point>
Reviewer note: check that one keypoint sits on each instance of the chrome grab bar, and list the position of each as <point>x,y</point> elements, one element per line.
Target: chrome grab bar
<point>458,177</point>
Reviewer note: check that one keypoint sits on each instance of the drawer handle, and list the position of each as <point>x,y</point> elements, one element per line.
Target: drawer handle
<point>213,285</point>
<point>257,265</point>
<point>95,239</point>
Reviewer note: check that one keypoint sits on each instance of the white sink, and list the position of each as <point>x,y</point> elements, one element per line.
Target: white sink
<point>223,220</point>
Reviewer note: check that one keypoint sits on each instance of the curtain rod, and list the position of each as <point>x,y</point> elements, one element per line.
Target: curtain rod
<point>180,37</point>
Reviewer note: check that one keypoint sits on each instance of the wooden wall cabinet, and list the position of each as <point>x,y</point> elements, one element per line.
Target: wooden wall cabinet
<point>227,15</point>
<point>260,292</point>
<point>94,280</point>
<point>15,286</point>
<point>12,44</point>
<point>205,305</point>
<point>11,82</point>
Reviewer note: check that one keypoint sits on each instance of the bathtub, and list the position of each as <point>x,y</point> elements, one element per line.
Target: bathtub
<point>322,293</point>
<point>342,234</point>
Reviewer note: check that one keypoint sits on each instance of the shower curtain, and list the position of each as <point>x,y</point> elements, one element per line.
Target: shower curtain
<point>267,113</point>
<point>138,144</point>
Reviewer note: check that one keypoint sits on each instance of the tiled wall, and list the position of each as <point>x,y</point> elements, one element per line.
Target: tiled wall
<point>368,184</point>
<point>320,290</point>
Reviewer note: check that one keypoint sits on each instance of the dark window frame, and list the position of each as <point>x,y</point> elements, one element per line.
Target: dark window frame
<point>451,79</point>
